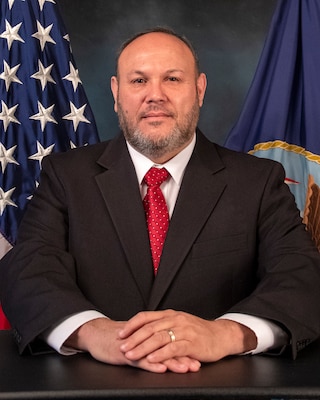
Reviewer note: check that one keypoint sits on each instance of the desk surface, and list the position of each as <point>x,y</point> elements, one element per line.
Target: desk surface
<point>81,377</point>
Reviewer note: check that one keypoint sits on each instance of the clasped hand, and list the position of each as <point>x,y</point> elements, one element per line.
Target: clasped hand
<point>158,341</point>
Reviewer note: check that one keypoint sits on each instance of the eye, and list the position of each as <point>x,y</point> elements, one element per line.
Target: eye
<point>138,80</point>
<point>173,79</point>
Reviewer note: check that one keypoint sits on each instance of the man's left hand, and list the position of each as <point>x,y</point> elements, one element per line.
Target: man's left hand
<point>179,340</point>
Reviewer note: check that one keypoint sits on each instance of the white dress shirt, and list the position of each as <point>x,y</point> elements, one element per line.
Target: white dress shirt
<point>269,335</point>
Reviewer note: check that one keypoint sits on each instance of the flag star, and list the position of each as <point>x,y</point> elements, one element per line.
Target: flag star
<point>36,185</point>
<point>44,75</point>
<point>74,146</point>
<point>9,74</point>
<point>41,3</point>
<point>43,35</point>
<point>11,34</point>
<point>7,115</point>
<point>44,115</point>
<point>73,76</point>
<point>76,115</point>
<point>6,156</point>
<point>67,38</point>
<point>5,199</point>
<point>41,152</point>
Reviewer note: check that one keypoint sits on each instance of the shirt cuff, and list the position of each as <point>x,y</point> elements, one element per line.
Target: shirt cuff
<point>269,335</point>
<point>56,335</point>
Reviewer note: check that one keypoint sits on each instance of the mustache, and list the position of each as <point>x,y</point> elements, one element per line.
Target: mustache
<point>157,109</point>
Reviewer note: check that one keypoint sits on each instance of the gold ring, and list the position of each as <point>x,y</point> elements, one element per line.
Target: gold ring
<point>172,335</point>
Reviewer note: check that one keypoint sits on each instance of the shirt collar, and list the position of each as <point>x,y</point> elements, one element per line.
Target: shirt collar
<point>175,166</point>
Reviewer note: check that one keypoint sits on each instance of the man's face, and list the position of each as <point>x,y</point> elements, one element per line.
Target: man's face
<point>157,95</point>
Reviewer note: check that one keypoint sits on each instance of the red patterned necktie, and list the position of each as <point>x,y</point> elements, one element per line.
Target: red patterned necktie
<point>156,212</point>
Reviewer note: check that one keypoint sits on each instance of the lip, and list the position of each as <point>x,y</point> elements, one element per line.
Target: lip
<point>155,115</point>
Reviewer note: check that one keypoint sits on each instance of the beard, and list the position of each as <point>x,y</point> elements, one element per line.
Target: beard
<point>157,146</point>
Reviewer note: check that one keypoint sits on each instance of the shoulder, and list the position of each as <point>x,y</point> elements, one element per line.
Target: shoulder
<point>250,170</point>
<point>78,155</point>
<point>80,161</point>
<point>239,158</point>
<point>237,162</point>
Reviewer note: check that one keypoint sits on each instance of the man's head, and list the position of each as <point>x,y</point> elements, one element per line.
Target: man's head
<point>158,92</point>
<point>160,29</point>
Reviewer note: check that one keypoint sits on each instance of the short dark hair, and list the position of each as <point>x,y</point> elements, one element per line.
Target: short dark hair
<point>159,29</point>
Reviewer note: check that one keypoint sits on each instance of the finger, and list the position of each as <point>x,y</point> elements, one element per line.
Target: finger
<point>159,368</point>
<point>181,348</point>
<point>141,319</point>
<point>160,332</point>
<point>182,364</point>
<point>136,351</point>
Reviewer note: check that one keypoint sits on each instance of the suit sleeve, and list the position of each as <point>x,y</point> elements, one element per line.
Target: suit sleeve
<point>288,272</point>
<point>38,276</point>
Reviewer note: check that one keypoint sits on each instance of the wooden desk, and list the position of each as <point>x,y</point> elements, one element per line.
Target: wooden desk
<point>53,376</point>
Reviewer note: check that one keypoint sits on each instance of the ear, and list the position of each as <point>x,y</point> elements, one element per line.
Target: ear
<point>114,89</point>
<point>201,87</point>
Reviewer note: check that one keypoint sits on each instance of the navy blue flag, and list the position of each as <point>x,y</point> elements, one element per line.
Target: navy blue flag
<point>43,106</point>
<point>281,115</point>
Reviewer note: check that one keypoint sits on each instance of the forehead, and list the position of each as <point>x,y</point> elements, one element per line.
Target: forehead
<point>156,47</point>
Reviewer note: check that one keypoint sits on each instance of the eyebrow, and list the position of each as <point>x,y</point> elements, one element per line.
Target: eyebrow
<point>169,71</point>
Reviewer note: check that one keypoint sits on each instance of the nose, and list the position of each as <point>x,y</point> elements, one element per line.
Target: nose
<point>155,92</point>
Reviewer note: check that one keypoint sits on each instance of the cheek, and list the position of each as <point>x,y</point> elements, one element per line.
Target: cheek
<point>130,104</point>
<point>186,105</point>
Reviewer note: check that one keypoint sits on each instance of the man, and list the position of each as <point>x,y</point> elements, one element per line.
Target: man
<point>238,272</point>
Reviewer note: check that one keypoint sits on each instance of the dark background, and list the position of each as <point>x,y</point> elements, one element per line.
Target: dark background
<point>227,34</point>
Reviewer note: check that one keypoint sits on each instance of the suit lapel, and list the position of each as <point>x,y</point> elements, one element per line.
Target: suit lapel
<point>120,190</point>
<point>201,189</point>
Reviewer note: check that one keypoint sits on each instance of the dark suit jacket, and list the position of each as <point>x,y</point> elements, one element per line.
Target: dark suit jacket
<point>235,243</point>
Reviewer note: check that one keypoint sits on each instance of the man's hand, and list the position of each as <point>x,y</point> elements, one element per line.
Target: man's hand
<point>100,337</point>
<point>145,342</point>
<point>146,335</point>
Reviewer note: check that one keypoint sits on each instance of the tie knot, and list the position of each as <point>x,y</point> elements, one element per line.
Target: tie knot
<point>156,176</point>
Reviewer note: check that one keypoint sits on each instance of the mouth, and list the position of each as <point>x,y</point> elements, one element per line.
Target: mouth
<point>154,115</point>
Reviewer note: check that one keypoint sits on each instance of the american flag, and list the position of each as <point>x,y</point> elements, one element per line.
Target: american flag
<point>43,106</point>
